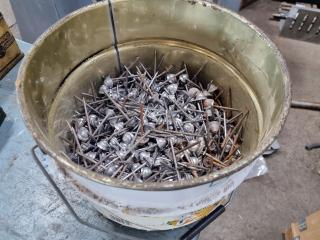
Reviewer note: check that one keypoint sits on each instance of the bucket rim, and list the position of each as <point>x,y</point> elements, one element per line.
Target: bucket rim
<point>66,163</point>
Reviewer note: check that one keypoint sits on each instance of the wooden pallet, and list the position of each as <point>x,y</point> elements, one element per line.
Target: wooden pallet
<point>306,229</point>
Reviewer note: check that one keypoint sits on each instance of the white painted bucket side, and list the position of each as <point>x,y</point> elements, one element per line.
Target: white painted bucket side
<point>157,210</point>
<point>156,223</point>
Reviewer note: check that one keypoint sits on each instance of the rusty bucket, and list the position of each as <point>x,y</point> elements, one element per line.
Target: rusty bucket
<point>80,48</point>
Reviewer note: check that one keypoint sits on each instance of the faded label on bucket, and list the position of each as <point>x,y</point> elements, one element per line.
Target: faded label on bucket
<point>178,209</point>
<point>157,223</point>
<point>192,217</point>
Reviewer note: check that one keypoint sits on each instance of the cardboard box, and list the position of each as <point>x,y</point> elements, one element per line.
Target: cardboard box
<point>10,53</point>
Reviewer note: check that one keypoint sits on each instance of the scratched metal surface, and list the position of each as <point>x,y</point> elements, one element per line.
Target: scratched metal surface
<point>302,24</point>
<point>29,207</point>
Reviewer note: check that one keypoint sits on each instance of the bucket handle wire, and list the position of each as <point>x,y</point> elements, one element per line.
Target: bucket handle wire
<point>206,221</point>
<point>66,202</point>
<point>189,235</point>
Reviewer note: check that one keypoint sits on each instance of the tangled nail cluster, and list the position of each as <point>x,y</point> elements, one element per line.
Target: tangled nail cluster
<point>151,126</point>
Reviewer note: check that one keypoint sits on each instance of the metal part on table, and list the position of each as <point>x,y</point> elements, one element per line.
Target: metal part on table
<point>282,13</point>
<point>302,23</point>
<point>314,106</point>
<point>307,106</point>
<point>312,146</point>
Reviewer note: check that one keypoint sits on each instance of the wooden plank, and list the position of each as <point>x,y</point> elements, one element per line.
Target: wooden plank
<point>312,231</point>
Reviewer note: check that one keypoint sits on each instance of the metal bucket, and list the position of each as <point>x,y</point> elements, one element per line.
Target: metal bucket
<point>80,48</point>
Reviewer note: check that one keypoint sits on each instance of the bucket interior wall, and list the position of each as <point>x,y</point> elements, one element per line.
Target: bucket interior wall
<point>79,49</point>
<point>216,70</point>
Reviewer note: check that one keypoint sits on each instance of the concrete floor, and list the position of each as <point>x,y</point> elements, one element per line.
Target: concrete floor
<point>265,206</point>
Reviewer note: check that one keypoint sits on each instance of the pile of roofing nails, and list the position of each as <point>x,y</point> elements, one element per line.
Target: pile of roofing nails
<point>151,126</point>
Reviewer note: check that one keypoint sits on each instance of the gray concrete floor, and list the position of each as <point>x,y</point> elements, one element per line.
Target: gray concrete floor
<point>265,206</point>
